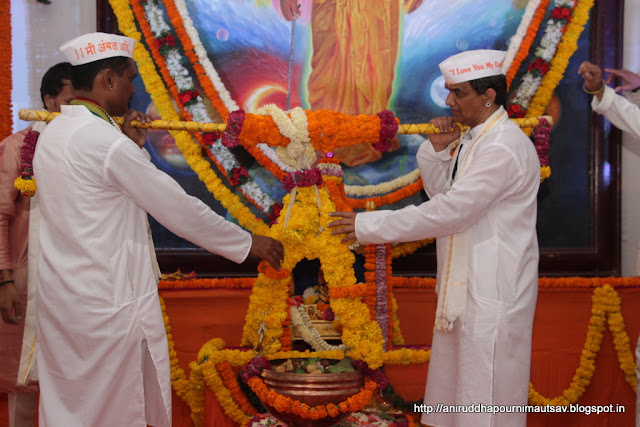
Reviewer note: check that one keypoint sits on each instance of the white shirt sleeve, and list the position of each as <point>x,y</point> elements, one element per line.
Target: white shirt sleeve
<point>434,168</point>
<point>623,114</point>
<point>492,175</point>
<point>128,169</point>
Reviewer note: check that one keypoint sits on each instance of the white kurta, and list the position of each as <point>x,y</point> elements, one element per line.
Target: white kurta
<point>625,115</point>
<point>488,361</point>
<point>102,348</point>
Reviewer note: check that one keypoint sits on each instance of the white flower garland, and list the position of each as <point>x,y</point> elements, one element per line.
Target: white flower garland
<point>299,153</point>
<point>546,50</point>
<point>383,188</point>
<point>300,319</point>
<point>201,52</point>
<point>516,40</point>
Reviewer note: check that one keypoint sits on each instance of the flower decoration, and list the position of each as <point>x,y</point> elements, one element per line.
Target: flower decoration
<point>540,66</point>
<point>304,178</point>
<point>6,80</point>
<point>276,208</point>
<point>541,138</point>
<point>234,127</point>
<point>561,13</point>
<point>208,139</point>
<point>516,111</point>
<point>188,97</point>
<point>167,41</point>
<point>286,404</point>
<point>26,183</point>
<point>254,368</point>
<point>388,130</point>
<point>239,176</point>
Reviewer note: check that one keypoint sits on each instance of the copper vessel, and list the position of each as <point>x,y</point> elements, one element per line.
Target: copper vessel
<point>314,390</point>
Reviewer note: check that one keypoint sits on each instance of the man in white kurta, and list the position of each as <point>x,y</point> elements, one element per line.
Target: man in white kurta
<point>484,219</point>
<point>624,113</point>
<point>102,353</point>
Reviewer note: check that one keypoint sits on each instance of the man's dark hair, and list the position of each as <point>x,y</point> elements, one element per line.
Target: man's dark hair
<point>497,83</point>
<point>84,75</point>
<point>52,81</point>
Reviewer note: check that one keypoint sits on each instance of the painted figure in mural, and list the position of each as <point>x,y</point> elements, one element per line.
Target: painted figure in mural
<point>482,211</point>
<point>17,273</point>
<point>102,352</point>
<point>624,113</point>
<point>355,48</point>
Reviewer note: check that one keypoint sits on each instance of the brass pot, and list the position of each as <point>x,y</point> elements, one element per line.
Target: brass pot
<point>314,390</point>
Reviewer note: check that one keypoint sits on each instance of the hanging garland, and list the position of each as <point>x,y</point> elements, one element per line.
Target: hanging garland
<point>524,37</point>
<point>190,150</point>
<point>166,56</point>
<point>6,124</point>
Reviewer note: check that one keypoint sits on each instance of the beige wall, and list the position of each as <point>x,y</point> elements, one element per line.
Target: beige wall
<point>37,32</point>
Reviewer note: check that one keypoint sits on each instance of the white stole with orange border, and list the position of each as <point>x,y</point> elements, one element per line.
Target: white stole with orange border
<point>452,295</point>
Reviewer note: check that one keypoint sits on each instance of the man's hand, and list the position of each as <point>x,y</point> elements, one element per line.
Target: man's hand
<point>290,9</point>
<point>630,81</point>
<point>442,140</point>
<point>592,75</point>
<point>137,135</point>
<point>347,225</point>
<point>268,249</point>
<point>10,306</point>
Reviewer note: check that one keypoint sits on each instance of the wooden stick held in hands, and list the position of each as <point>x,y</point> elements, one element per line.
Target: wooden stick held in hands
<point>421,128</point>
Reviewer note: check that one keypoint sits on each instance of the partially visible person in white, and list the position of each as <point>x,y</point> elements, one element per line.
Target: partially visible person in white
<point>624,113</point>
<point>19,215</point>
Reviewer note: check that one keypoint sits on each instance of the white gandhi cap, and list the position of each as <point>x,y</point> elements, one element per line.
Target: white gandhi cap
<point>96,46</point>
<point>472,64</point>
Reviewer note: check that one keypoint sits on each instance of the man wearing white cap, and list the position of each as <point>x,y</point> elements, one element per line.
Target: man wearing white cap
<point>482,210</point>
<point>102,352</point>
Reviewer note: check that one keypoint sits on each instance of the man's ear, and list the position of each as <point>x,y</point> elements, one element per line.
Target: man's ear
<point>105,79</point>
<point>49,102</point>
<point>490,95</point>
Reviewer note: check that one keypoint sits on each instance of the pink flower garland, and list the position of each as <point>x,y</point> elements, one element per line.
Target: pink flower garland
<point>304,178</point>
<point>382,311</point>
<point>26,153</point>
<point>388,130</point>
<point>541,139</point>
<point>233,129</point>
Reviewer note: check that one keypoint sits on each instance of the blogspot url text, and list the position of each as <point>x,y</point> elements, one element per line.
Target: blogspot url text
<point>498,409</point>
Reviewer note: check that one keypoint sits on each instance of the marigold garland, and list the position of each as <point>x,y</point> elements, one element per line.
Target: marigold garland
<point>6,123</point>
<point>190,51</point>
<point>189,102</point>
<point>286,404</point>
<point>226,283</point>
<point>190,150</point>
<point>560,61</point>
<point>229,379</point>
<point>26,182</point>
<point>606,304</point>
<point>525,46</point>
